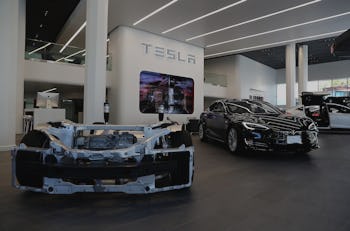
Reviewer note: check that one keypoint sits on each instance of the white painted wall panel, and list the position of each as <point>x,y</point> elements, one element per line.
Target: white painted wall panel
<point>243,74</point>
<point>129,58</point>
<point>51,72</point>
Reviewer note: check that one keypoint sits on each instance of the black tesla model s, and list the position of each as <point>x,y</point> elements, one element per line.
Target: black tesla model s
<point>256,125</point>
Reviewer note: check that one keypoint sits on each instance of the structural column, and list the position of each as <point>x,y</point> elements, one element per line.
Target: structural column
<point>303,74</point>
<point>20,66</point>
<point>9,21</point>
<point>95,76</point>
<point>290,75</point>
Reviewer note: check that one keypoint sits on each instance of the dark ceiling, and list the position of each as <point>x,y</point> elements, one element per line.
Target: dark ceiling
<point>319,52</point>
<point>45,18</point>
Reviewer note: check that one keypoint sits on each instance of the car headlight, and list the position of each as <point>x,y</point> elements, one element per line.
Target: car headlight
<point>312,127</point>
<point>253,126</point>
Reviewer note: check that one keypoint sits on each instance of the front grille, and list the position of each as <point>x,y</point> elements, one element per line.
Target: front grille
<point>281,136</point>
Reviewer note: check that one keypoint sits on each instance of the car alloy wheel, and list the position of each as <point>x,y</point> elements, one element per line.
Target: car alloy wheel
<point>232,140</point>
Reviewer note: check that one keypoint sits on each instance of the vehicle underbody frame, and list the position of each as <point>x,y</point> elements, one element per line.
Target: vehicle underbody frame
<point>144,160</point>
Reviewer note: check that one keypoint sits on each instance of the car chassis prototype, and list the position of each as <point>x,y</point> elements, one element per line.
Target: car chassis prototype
<point>65,158</point>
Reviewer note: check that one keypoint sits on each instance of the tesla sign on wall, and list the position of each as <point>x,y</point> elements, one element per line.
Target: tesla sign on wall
<point>167,53</point>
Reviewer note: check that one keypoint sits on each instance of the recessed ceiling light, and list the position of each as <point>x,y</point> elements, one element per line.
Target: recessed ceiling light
<point>274,44</point>
<point>254,19</point>
<point>41,25</point>
<point>74,35</point>
<point>40,48</point>
<point>155,12</point>
<point>279,29</point>
<point>204,16</point>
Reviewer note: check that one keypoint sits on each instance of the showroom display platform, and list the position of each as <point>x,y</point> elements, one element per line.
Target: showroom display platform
<point>259,191</point>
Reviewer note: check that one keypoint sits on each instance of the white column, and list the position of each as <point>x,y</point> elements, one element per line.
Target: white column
<point>20,76</point>
<point>95,77</point>
<point>290,75</point>
<point>9,18</point>
<point>303,74</point>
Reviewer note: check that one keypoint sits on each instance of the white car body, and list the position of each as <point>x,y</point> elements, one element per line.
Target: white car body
<point>339,115</point>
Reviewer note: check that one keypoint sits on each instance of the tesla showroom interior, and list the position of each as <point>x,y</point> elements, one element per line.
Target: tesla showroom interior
<point>175,115</point>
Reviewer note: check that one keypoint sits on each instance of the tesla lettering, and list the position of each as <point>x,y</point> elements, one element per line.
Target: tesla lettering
<point>168,53</point>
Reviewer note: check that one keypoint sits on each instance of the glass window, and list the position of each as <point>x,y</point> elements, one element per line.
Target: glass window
<point>325,85</point>
<point>236,109</point>
<point>219,108</point>
<point>339,87</point>
<point>212,107</point>
<point>336,108</point>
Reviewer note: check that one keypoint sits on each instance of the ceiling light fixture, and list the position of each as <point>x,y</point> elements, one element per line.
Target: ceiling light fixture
<point>275,44</point>
<point>254,19</point>
<point>70,55</point>
<point>204,16</point>
<point>279,29</point>
<point>155,12</point>
<point>74,35</point>
<point>40,48</point>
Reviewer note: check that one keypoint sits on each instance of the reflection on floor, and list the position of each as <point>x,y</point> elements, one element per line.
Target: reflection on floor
<point>257,191</point>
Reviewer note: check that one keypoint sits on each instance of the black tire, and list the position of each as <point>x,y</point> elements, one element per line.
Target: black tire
<point>36,139</point>
<point>181,173</point>
<point>180,137</point>
<point>201,133</point>
<point>29,168</point>
<point>234,141</point>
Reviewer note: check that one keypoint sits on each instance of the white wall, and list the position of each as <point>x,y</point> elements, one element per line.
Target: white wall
<point>129,59</point>
<point>256,76</point>
<point>243,76</point>
<point>225,66</point>
<point>60,73</point>
<point>20,68</point>
<point>10,70</point>
<point>339,69</point>
<point>211,90</point>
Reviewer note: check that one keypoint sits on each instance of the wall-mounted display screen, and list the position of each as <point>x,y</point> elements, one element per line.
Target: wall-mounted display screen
<point>166,93</point>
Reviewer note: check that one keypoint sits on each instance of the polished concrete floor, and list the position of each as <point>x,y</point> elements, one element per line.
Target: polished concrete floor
<point>259,191</point>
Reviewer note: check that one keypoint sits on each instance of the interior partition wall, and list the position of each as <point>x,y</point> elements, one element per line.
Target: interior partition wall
<point>135,52</point>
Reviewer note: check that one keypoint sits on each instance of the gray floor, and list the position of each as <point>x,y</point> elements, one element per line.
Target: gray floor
<point>258,191</point>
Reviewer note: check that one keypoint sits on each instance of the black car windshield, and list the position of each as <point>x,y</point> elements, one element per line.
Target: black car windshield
<point>253,107</point>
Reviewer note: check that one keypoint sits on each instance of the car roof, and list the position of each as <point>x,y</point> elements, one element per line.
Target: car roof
<point>238,100</point>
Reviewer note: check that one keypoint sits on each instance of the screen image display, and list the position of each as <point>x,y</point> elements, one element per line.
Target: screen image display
<point>47,99</point>
<point>163,93</point>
